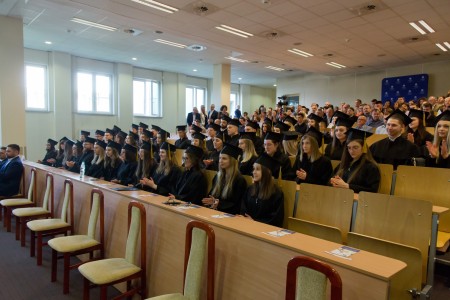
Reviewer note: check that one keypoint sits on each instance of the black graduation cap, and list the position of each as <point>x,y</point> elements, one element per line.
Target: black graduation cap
<point>131,148</point>
<point>90,140</point>
<point>134,135</point>
<point>214,126</point>
<point>196,151</point>
<point>398,114</point>
<point>52,142</point>
<point>114,145</point>
<point>445,116</point>
<point>70,142</point>
<point>63,139</point>
<point>122,134</point>
<point>147,133</point>
<point>116,129</point>
<point>252,124</point>
<point>196,128</point>
<point>268,122</point>
<point>155,127</point>
<point>99,132</point>
<point>221,135</point>
<point>291,120</point>
<point>142,125</point>
<point>340,114</point>
<point>85,133</point>
<point>282,126</point>
<point>168,147</point>
<point>313,132</point>
<point>181,128</point>
<point>356,134</point>
<point>226,118</point>
<point>269,162</point>
<point>79,144</point>
<point>110,131</point>
<point>101,144</point>
<point>315,118</point>
<point>146,146</point>
<point>231,150</point>
<point>420,114</point>
<point>164,133</point>
<point>273,136</point>
<point>290,135</point>
<point>247,136</point>
<point>135,126</point>
<point>234,122</point>
<point>199,136</point>
<point>342,121</point>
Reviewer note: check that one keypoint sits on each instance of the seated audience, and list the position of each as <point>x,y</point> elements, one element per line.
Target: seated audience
<point>273,147</point>
<point>249,155</point>
<point>126,171</point>
<point>98,162</point>
<point>51,153</point>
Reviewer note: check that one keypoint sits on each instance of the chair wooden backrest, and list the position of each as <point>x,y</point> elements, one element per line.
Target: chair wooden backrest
<point>200,238</point>
<point>97,210</point>
<point>335,163</point>
<point>209,175</point>
<point>375,138</point>
<point>31,194</point>
<point>22,191</point>
<point>326,205</point>
<point>431,184</point>
<point>396,219</point>
<point>137,228</point>
<point>248,179</point>
<point>430,130</point>
<point>179,156</point>
<point>386,172</point>
<point>290,193</point>
<point>48,201</point>
<point>306,279</point>
<point>320,231</point>
<point>408,278</point>
<point>67,206</point>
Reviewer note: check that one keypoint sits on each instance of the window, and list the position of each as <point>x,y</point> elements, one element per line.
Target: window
<point>94,93</point>
<point>36,87</point>
<point>146,98</point>
<point>233,103</point>
<point>195,97</point>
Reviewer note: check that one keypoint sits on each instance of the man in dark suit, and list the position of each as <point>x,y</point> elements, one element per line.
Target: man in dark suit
<point>11,172</point>
<point>213,114</point>
<point>192,116</point>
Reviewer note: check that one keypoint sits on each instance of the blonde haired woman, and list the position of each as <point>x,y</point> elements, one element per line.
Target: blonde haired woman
<point>112,161</point>
<point>228,185</point>
<point>249,155</point>
<point>97,166</point>
<point>440,148</point>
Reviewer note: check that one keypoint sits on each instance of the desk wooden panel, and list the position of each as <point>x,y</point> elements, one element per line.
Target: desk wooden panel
<point>249,263</point>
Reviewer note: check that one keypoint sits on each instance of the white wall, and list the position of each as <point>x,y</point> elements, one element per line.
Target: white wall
<point>365,86</point>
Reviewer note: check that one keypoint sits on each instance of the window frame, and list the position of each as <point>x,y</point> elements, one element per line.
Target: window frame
<point>46,88</point>
<point>94,110</point>
<point>148,102</point>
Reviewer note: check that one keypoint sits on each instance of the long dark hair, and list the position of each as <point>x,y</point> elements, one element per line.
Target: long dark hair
<point>264,188</point>
<point>421,132</point>
<point>145,165</point>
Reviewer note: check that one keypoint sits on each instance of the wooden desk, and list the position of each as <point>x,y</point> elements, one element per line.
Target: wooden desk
<point>249,263</point>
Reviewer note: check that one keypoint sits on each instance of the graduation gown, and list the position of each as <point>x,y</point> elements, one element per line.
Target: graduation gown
<point>233,140</point>
<point>438,162</point>
<point>231,204</point>
<point>58,161</point>
<point>182,143</point>
<point>138,176</point>
<point>76,166</point>
<point>110,173</point>
<point>165,183</point>
<point>301,128</point>
<point>87,158</point>
<point>319,172</point>
<point>50,154</point>
<point>421,143</point>
<point>246,168</point>
<point>214,155</point>
<point>190,187</point>
<point>366,180</point>
<point>338,150</point>
<point>96,170</point>
<point>269,211</point>
<point>398,152</point>
<point>125,173</point>
<point>287,173</point>
<point>210,145</point>
<point>259,145</point>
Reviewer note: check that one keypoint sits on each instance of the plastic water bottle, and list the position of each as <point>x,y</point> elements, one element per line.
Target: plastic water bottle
<point>82,168</point>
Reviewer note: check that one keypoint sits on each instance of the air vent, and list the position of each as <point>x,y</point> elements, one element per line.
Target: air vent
<point>368,8</point>
<point>271,34</point>
<point>133,31</point>
<point>413,39</point>
<point>196,48</point>
<point>200,8</point>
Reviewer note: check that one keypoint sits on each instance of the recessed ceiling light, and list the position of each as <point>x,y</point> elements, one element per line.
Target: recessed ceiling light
<point>236,59</point>
<point>93,24</point>
<point>134,58</point>
<point>234,31</point>
<point>240,78</point>
<point>275,68</point>
<point>170,43</point>
<point>422,29</point>
<point>157,5</point>
<point>274,85</point>
<point>194,70</point>
<point>48,42</point>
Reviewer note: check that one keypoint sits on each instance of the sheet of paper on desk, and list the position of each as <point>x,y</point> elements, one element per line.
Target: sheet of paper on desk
<point>279,233</point>
<point>187,206</point>
<point>221,216</point>
<point>148,195</point>
<point>344,252</point>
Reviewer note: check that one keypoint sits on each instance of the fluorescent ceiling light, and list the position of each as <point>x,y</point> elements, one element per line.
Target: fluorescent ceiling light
<point>48,42</point>
<point>236,59</point>
<point>336,65</point>
<point>93,24</point>
<point>234,31</point>
<point>300,52</point>
<point>169,43</point>
<point>134,58</point>
<point>157,5</point>
<point>420,29</point>
<point>447,44</point>
<point>275,68</point>
<point>441,47</point>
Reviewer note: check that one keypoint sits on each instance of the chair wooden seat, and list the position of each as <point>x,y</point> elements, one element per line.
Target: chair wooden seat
<point>47,224</point>
<point>108,270</point>
<point>72,243</point>
<point>442,242</point>
<point>16,202</point>
<point>30,211</point>
<point>171,297</point>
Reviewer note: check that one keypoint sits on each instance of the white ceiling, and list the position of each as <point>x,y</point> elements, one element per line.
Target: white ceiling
<point>360,39</point>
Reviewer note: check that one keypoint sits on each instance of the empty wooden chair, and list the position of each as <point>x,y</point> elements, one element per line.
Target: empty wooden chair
<point>200,239</point>
<point>308,278</point>
<point>111,271</point>
<point>53,226</point>
<point>12,203</point>
<point>25,214</point>
<point>80,244</point>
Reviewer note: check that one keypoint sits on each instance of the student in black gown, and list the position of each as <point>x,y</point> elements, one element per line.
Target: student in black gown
<point>97,167</point>
<point>68,153</point>
<point>357,170</point>
<point>417,133</point>
<point>146,165</point>
<point>335,149</point>
<point>439,150</point>
<point>191,184</point>
<point>212,161</point>
<point>166,174</point>
<point>211,132</point>
<point>77,152</point>
<point>258,143</point>
<point>228,184</point>
<point>265,129</point>
<point>88,153</point>
<point>126,171</point>
<point>249,155</point>
<point>57,161</point>
<point>273,147</point>
<point>395,149</point>
<point>310,165</point>
<point>112,161</point>
<point>198,140</point>
<point>132,139</point>
<point>233,132</point>
<point>263,200</point>
<point>183,142</point>
<point>51,152</point>
<point>161,137</point>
